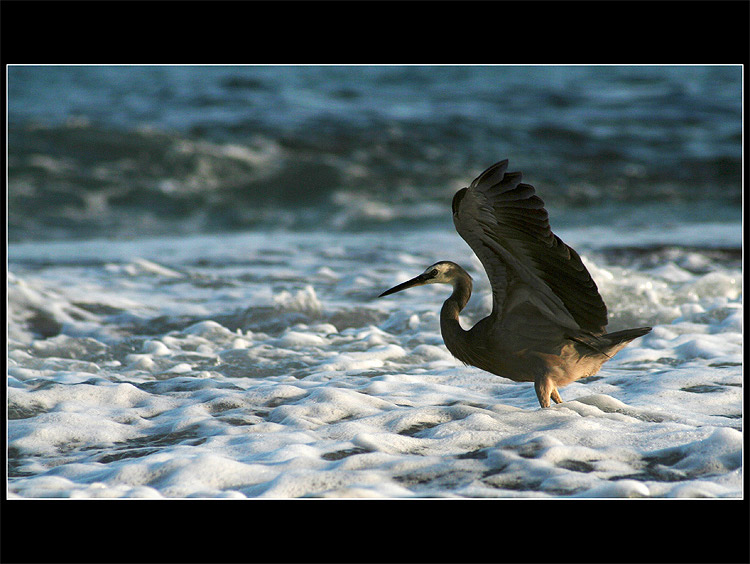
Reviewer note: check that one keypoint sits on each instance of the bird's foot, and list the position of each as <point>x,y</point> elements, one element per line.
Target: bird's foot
<point>546,390</point>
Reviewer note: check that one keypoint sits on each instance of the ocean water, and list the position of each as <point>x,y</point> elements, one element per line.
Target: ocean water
<point>195,253</point>
<point>133,151</point>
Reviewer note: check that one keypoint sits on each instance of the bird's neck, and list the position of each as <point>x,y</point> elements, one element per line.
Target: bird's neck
<point>454,335</point>
<point>458,299</point>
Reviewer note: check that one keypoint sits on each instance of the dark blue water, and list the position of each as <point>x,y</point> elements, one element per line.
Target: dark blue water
<point>132,151</point>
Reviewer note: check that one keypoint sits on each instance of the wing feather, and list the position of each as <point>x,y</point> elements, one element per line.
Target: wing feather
<point>506,225</point>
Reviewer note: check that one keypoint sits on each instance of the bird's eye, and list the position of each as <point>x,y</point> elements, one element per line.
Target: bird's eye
<point>433,273</point>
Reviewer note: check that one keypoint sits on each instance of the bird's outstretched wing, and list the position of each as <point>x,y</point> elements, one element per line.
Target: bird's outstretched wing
<point>506,225</point>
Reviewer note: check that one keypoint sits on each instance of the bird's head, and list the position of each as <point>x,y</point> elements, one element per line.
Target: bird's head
<point>443,272</point>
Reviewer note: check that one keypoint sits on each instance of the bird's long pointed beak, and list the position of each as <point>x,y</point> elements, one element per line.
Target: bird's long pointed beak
<point>416,281</point>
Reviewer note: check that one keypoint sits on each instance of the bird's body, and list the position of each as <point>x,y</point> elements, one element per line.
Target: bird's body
<point>548,318</point>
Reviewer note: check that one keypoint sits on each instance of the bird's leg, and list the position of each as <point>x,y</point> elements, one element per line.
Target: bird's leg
<point>545,388</point>
<point>556,396</point>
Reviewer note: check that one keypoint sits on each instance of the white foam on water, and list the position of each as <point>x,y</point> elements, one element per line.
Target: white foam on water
<point>247,366</point>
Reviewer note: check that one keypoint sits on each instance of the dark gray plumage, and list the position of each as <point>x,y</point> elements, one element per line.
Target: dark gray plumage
<point>548,318</point>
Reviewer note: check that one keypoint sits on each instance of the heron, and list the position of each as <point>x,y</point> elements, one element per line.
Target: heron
<point>547,324</point>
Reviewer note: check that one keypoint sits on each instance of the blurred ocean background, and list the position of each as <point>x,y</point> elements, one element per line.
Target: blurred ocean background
<point>128,151</point>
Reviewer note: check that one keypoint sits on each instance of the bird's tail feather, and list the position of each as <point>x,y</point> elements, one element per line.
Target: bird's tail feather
<point>610,343</point>
<point>626,335</point>
<point>619,339</point>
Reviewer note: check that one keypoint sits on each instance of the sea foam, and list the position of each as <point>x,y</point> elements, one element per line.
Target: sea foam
<point>190,373</point>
